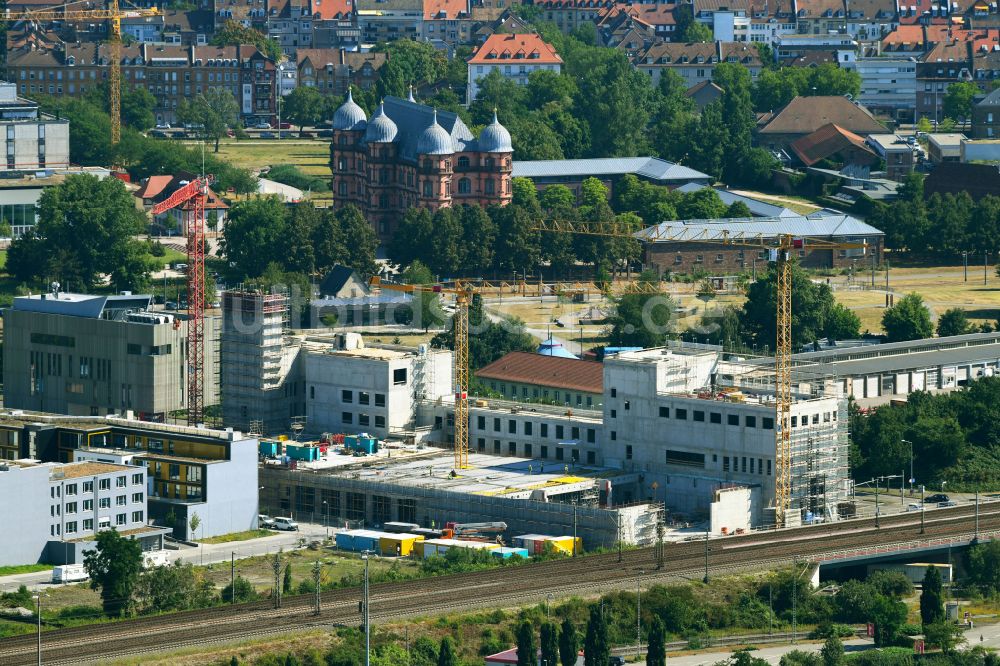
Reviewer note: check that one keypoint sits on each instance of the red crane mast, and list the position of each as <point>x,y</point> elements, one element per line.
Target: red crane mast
<point>194,193</point>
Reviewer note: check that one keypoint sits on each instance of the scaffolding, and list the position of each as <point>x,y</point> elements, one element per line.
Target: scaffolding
<point>253,359</point>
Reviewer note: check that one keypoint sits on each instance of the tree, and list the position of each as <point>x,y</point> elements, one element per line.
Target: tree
<point>550,643</point>
<point>656,655</point>
<point>832,652</point>
<point>304,106</point>
<point>518,243</point>
<point>958,100</point>
<point>596,650</point>
<point>568,645</point>
<point>478,238</point>
<point>214,110</point>
<point>688,28</point>
<point>527,650</point>
<point>888,615</point>
<point>426,303</point>
<point>908,319</point>
<point>642,320</point>
<point>255,232</point>
<point>243,591</point>
<point>194,522</point>
<point>171,588</point>
<point>286,581</point>
<point>984,566</point>
<point>931,598</point>
<point>327,241</point>
<point>953,322</point>
<point>234,33</point>
<point>946,635</point>
<point>360,241</point>
<point>299,250</point>
<point>447,656</point>
<point>85,230</point>
<point>114,567</point>
<point>413,233</point>
<point>814,311</point>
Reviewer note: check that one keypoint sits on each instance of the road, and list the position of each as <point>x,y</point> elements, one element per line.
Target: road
<point>198,555</point>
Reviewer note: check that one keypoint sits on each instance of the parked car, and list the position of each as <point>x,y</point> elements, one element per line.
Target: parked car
<point>262,125</point>
<point>285,126</point>
<point>285,524</point>
<point>936,498</point>
<point>170,305</point>
<point>162,125</point>
<point>265,522</point>
<point>913,506</point>
<point>945,504</point>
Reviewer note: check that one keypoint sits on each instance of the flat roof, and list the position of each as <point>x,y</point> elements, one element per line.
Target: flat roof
<point>649,167</point>
<point>487,475</point>
<point>75,470</point>
<point>80,305</point>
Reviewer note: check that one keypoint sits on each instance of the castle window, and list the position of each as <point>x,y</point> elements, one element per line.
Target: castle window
<point>428,188</point>
<point>489,162</point>
<point>489,187</point>
<point>463,162</point>
<point>343,188</point>
<point>464,186</point>
<point>428,164</point>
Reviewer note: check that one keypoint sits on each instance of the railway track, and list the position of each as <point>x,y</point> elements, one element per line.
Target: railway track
<point>495,588</point>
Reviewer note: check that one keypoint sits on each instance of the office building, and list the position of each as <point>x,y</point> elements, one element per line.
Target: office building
<point>87,355</point>
<point>33,140</point>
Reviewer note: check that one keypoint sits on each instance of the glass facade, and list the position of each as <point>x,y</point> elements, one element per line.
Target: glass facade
<point>21,217</point>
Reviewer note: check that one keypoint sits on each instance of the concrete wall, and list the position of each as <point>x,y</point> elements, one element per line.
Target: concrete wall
<point>731,509</point>
<point>27,137</point>
<point>348,393</point>
<point>24,524</point>
<point>70,378</point>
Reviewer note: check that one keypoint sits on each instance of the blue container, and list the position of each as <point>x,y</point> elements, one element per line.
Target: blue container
<point>351,442</point>
<point>268,449</point>
<point>506,552</point>
<point>365,542</point>
<point>298,452</point>
<point>345,540</point>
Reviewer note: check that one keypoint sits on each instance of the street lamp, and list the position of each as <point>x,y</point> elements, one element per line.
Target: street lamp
<point>326,517</point>
<point>368,635</point>
<point>906,441</point>
<point>38,615</point>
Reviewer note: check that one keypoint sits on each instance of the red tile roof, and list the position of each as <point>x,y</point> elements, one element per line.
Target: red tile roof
<point>510,48</point>
<point>564,373</point>
<point>153,187</point>
<point>827,141</point>
<point>444,9</point>
<point>331,9</point>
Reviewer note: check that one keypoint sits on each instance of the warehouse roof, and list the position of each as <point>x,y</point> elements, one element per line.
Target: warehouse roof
<point>652,168</point>
<point>819,224</point>
<point>555,371</point>
<point>927,359</point>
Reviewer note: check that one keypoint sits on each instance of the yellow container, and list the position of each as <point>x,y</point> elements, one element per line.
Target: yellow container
<point>400,545</point>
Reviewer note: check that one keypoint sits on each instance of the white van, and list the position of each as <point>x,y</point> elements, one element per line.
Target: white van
<point>69,573</point>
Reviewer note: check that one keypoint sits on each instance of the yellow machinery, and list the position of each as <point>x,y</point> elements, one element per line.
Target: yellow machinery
<point>114,14</point>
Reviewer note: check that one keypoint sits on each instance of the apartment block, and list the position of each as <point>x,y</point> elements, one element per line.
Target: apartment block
<point>33,140</point>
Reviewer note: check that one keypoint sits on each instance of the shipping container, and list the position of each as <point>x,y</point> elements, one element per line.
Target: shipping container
<point>359,540</point>
<point>426,532</point>
<point>398,545</point>
<point>401,528</point>
<point>432,547</point>
<point>536,543</point>
<point>505,552</point>
<point>269,449</point>
<point>302,452</point>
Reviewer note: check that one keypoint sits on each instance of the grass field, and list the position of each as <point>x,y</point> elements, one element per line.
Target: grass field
<point>312,156</point>
<point>238,536</point>
<point>23,569</point>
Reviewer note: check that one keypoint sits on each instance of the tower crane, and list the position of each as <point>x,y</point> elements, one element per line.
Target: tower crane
<point>114,14</point>
<point>780,249</point>
<point>194,193</point>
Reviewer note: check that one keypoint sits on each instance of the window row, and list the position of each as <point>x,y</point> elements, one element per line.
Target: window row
<point>698,415</point>
<point>528,428</point>
<point>528,450</point>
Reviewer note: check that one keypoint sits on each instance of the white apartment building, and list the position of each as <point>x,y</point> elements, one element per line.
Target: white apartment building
<point>888,86</point>
<point>32,140</point>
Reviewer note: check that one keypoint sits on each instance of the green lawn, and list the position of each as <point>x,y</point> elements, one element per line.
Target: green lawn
<point>3,259</point>
<point>238,536</point>
<point>312,156</point>
<point>24,568</point>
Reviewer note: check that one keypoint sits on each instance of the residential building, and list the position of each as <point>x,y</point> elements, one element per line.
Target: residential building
<point>170,73</point>
<point>728,19</point>
<point>695,62</point>
<point>663,253</point>
<point>450,22</point>
<point>346,300</point>
<point>792,47</point>
<point>288,77</point>
<point>333,71</point>
<point>387,20</point>
<point>770,19</point>
<point>986,116</point>
<point>888,86</point>
<point>945,147</point>
<point>655,21</point>
<point>354,388</point>
<point>567,15</point>
<point>185,470</point>
<point>290,23</point>
<point>187,27</point>
<point>804,115</point>
<point>68,504</point>
<point>946,63</point>
<point>703,94</point>
<point>528,377</point>
<point>86,355</point>
<point>896,151</point>
<point>409,154</point>
<point>173,222</point>
<point>515,56</point>
<point>572,173</point>
<point>871,20</point>
<point>832,144</point>
<point>34,140</point>
<point>821,17</point>
<point>19,195</point>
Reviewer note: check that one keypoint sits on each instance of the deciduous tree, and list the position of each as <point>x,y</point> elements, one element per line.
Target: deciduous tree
<point>908,319</point>
<point>114,567</point>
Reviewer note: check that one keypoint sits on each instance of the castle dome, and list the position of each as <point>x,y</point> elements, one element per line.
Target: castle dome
<point>381,129</point>
<point>435,140</point>
<point>349,116</point>
<point>495,138</point>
